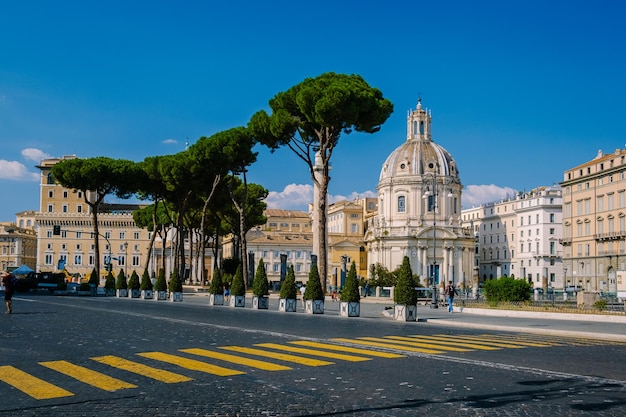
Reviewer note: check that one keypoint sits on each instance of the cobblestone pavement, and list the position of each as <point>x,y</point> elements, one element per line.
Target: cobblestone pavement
<point>330,366</point>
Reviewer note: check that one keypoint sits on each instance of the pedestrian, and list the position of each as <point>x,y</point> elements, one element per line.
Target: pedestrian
<point>366,289</point>
<point>227,291</point>
<point>302,290</point>
<point>9,281</point>
<point>450,292</point>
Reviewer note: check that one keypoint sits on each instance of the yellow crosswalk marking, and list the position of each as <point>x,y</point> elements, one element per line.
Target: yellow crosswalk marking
<point>314,352</point>
<point>450,347</point>
<point>190,364</point>
<point>82,374</point>
<point>281,356</point>
<point>30,385</point>
<point>266,366</point>
<point>388,345</point>
<point>443,340</point>
<point>141,369</point>
<point>498,340</point>
<point>342,348</point>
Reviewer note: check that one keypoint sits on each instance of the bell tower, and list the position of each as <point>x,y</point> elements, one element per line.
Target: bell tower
<point>418,124</point>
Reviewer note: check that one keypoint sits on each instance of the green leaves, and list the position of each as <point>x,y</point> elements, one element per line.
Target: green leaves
<point>350,291</point>
<point>260,285</point>
<point>404,292</point>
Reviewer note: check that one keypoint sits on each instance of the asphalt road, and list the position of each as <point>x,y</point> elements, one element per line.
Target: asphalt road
<point>83,356</point>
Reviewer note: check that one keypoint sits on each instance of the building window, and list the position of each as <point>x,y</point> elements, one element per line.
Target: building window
<point>401,204</point>
<point>50,208</point>
<point>48,259</point>
<point>354,228</point>
<point>65,194</point>
<point>135,260</point>
<point>276,267</point>
<point>136,235</point>
<point>551,217</point>
<point>78,259</point>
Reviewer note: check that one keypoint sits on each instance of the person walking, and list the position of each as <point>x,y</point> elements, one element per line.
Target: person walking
<point>8,280</point>
<point>450,292</point>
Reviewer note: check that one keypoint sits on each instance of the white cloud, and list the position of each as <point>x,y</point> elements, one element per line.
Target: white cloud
<point>13,170</point>
<point>299,196</point>
<point>475,195</point>
<point>352,196</point>
<point>35,154</point>
<point>292,197</point>
<point>170,141</point>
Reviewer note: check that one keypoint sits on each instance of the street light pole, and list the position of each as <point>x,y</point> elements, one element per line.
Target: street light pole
<point>126,259</point>
<point>433,273</point>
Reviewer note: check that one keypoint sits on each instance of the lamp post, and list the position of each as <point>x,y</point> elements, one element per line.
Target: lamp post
<point>126,259</point>
<point>427,195</point>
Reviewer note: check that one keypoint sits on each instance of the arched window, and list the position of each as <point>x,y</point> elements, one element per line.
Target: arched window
<point>401,204</point>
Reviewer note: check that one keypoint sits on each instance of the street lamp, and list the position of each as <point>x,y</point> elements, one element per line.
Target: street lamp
<point>433,204</point>
<point>126,259</point>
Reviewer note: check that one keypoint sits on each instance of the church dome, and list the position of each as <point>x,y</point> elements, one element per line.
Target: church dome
<point>419,155</point>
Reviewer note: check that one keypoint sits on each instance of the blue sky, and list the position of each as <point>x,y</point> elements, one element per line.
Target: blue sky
<point>520,91</point>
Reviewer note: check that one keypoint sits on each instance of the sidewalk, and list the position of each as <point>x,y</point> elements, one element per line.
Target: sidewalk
<point>595,326</point>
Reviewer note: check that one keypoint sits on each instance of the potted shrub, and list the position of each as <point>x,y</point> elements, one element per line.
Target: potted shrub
<point>160,287</point>
<point>121,284</point>
<point>288,292</point>
<point>146,286</point>
<point>175,287</point>
<point>260,288</point>
<point>216,289</point>
<point>350,298</point>
<point>94,280</point>
<point>404,297</point>
<point>313,295</point>
<point>134,287</point>
<point>238,289</point>
<point>109,285</point>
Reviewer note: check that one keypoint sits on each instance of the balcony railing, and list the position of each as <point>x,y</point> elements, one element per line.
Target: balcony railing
<point>610,236</point>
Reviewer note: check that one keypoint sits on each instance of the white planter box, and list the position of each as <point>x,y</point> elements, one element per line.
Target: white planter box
<point>122,293</point>
<point>237,300</point>
<point>352,309</point>
<point>160,295</point>
<point>216,299</point>
<point>176,296</point>
<point>260,303</point>
<point>288,305</point>
<point>314,306</point>
<point>404,312</point>
<point>134,293</point>
<point>147,294</point>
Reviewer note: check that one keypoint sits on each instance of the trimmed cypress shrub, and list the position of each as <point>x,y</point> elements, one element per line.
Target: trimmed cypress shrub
<point>260,285</point>
<point>160,284</point>
<point>146,282</point>
<point>133,282</point>
<point>405,288</point>
<point>175,284</point>
<point>109,283</point>
<point>217,285</point>
<point>350,291</point>
<point>93,278</point>
<point>289,290</point>
<point>313,290</point>
<point>121,283</point>
<point>238,288</point>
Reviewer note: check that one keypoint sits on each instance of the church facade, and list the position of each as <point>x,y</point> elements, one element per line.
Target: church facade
<point>419,210</point>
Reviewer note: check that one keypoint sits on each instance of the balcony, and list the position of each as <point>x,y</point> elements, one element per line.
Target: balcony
<point>603,237</point>
<point>547,254</point>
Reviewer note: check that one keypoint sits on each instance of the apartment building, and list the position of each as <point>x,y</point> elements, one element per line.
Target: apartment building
<point>346,221</point>
<point>519,237</point>
<point>594,222</point>
<point>73,248</point>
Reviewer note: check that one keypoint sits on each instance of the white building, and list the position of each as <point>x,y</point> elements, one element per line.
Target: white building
<point>419,209</point>
<point>519,237</point>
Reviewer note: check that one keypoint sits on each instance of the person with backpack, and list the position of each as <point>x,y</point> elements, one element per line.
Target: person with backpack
<point>450,292</point>
<point>9,281</point>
